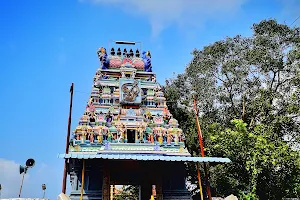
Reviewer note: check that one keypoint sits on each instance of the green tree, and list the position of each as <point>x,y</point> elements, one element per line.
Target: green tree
<point>128,192</point>
<point>259,165</point>
<point>255,79</point>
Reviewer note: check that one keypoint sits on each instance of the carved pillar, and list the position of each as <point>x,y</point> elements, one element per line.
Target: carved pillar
<point>159,192</point>
<point>106,181</point>
<point>146,190</point>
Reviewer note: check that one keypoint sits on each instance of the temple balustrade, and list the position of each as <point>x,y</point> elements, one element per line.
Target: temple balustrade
<point>103,134</point>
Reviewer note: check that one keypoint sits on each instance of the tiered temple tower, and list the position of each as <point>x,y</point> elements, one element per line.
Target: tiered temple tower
<point>126,134</point>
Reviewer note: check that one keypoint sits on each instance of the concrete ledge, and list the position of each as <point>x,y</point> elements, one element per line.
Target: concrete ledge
<point>24,199</point>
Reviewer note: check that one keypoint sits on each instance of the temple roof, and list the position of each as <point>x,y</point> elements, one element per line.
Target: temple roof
<point>144,157</point>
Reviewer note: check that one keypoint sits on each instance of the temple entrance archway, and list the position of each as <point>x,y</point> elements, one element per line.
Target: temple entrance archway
<point>144,175</point>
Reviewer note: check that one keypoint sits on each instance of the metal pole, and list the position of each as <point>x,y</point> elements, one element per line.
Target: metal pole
<point>202,149</point>
<point>82,179</point>
<point>44,194</point>
<point>21,184</point>
<point>207,182</point>
<point>199,180</point>
<point>68,140</point>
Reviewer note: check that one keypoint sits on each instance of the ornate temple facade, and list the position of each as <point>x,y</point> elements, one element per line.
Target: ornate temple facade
<point>126,134</point>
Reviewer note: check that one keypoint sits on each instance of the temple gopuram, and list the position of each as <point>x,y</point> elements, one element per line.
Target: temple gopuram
<point>126,135</point>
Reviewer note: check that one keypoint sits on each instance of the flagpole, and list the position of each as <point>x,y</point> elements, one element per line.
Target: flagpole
<point>64,183</point>
<point>202,150</point>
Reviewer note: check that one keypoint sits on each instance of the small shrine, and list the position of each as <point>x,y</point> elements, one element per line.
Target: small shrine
<point>126,134</point>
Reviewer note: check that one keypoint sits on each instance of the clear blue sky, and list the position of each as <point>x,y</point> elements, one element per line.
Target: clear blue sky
<point>47,45</point>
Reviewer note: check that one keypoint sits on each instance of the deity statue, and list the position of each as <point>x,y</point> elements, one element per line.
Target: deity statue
<point>146,136</point>
<point>180,135</point>
<point>164,134</point>
<point>105,133</point>
<point>109,119</point>
<point>140,131</point>
<point>147,61</point>
<point>83,134</point>
<point>77,132</point>
<point>83,137</point>
<point>100,135</point>
<point>100,138</point>
<point>160,137</point>
<point>77,136</point>
<point>91,136</point>
<point>101,118</point>
<point>148,115</point>
<point>169,137</point>
<point>151,138</point>
<point>109,136</point>
<point>176,138</point>
<point>102,55</point>
<point>122,133</point>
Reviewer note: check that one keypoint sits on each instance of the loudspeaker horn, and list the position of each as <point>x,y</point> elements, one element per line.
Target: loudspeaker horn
<point>30,162</point>
<point>23,169</point>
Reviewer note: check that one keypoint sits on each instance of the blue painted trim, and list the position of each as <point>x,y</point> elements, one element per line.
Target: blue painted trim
<point>144,157</point>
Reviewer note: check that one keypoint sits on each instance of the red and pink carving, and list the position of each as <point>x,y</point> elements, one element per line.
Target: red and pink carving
<point>138,63</point>
<point>115,62</point>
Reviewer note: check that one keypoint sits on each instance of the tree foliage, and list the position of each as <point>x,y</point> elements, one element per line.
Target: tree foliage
<point>248,96</point>
<point>128,192</point>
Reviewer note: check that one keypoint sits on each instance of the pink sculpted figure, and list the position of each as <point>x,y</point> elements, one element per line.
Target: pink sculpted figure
<point>152,138</point>
<point>92,136</point>
<point>169,138</point>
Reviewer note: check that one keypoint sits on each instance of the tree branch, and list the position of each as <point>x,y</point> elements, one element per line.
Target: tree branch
<point>230,94</point>
<point>273,79</point>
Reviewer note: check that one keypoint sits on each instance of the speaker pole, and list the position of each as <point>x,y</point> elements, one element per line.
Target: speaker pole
<point>64,183</point>
<point>21,184</point>
<point>44,190</point>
